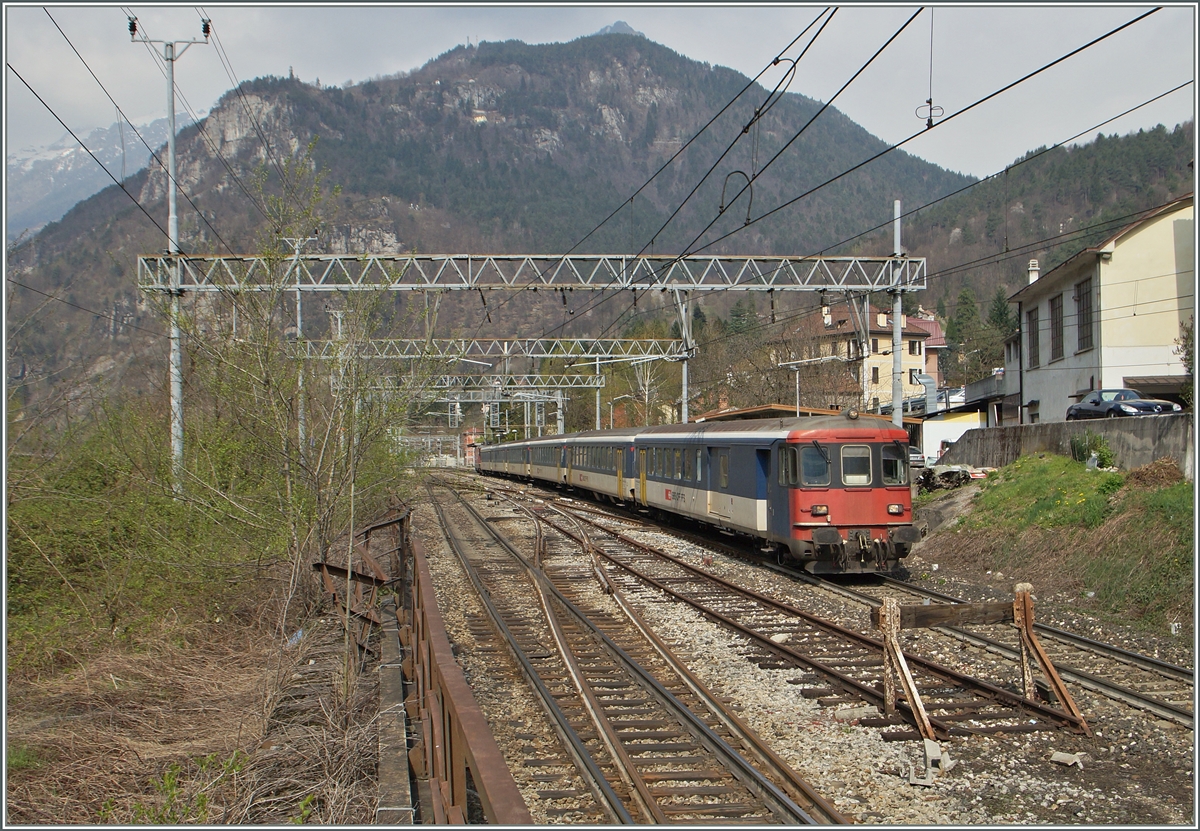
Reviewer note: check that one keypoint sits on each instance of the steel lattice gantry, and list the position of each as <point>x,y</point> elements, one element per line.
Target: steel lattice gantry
<point>578,349</point>
<point>577,272</point>
<point>684,277</point>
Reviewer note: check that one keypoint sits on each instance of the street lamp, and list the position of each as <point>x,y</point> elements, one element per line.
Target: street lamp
<point>610,408</point>
<point>795,365</point>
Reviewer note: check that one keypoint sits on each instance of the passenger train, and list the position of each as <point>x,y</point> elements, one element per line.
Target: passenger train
<point>830,493</point>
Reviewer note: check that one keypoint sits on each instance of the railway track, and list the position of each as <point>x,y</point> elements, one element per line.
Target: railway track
<point>640,742</point>
<point>844,666</point>
<point>1140,681</point>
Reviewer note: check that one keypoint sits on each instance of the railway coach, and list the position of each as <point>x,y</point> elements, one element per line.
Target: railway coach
<point>831,493</point>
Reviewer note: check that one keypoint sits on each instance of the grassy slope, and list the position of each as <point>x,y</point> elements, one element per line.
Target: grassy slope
<point>1125,538</point>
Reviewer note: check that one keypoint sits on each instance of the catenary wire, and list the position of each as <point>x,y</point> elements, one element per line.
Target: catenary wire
<point>688,252</point>
<point>677,154</point>
<point>948,118</point>
<point>811,120</point>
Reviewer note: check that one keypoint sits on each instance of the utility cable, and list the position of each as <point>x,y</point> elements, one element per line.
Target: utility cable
<point>778,154</point>
<point>910,138</point>
<point>677,154</point>
<point>200,127</point>
<point>85,147</point>
<point>81,308</point>
<point>1015,164</point>
<point>223,55</point>
<point>153,155</point>
<point>900,144</point>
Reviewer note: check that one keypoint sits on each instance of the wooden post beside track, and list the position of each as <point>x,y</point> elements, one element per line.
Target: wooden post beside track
<point>892,617</point>
<point>895,668</point>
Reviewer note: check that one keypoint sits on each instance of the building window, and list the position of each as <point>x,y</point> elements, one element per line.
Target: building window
<point>874,375</point>
<point>874,346</point>
<point>912,376</point>
<point>1031,337</point>
<point>914,347</point>
<point>1083,313</point>
<point>1056,327</point>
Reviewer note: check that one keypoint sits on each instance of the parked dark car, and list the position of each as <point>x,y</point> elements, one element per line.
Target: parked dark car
<point>1116,403</point>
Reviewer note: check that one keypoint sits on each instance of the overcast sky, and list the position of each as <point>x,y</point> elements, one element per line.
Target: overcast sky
<point>975,51</point>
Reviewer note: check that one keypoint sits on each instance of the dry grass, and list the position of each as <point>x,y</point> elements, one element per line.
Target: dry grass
<point>222,726</point>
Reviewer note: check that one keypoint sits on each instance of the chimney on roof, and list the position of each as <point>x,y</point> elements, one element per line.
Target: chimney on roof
<point>1034,272</point>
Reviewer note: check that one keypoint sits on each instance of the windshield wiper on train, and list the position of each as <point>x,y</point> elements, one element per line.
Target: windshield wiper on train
<point>821,450</point>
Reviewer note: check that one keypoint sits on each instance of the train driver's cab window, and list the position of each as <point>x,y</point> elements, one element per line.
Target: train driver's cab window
<point>895,465</point>
<point>856,465</point>
<point>814,466</point>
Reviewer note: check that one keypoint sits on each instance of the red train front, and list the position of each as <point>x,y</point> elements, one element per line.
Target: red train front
<point>849,495</point>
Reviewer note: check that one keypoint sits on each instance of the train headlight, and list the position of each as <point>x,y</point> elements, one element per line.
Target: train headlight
<point>895,509</point>
<point>820,510</point>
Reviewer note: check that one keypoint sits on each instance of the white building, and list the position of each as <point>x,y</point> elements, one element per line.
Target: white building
<point>1108,317</point>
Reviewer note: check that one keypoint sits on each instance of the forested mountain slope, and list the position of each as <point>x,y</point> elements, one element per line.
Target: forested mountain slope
<point>509,147</point>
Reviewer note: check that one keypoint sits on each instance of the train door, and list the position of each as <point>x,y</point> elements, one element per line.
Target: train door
<point>780,476</point>
<point>642,475</point>
<point>620,466</point>
<point>762,479</point>
<point>720,501</point>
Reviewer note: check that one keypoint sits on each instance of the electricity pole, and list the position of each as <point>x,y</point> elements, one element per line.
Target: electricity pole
<point>297,244</point>
<point>176,360</point>
<point>897,342</point>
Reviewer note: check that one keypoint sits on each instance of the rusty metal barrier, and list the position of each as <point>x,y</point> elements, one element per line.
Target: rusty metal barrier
<point>454,736</point>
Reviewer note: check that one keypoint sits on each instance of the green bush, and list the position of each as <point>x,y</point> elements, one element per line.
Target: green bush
<point>1083,446</point>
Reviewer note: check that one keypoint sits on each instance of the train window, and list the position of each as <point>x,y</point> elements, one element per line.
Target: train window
<point>856,464</point>
<point>814,467</point>
<point>688,468</point>
<point>678,464</point>
<point>699,476</point>
<point>724,468</point>
<point>787,466</point>
<point>670,463</point>
<point>895,465</point>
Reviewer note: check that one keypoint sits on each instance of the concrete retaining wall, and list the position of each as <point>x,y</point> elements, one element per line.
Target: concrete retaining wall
<point>1135,441</point>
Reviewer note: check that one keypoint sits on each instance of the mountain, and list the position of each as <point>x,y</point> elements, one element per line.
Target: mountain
<point>43,183</point>
<point>517,148</point>
<point>620,28</point>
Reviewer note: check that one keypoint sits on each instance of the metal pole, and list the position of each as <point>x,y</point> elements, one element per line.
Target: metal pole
<point>597,395</point>
<point>176,356</point>
<point>897,363</point>
<point>684,408</point>
<point>175,370</point>
<point>797,392</point>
